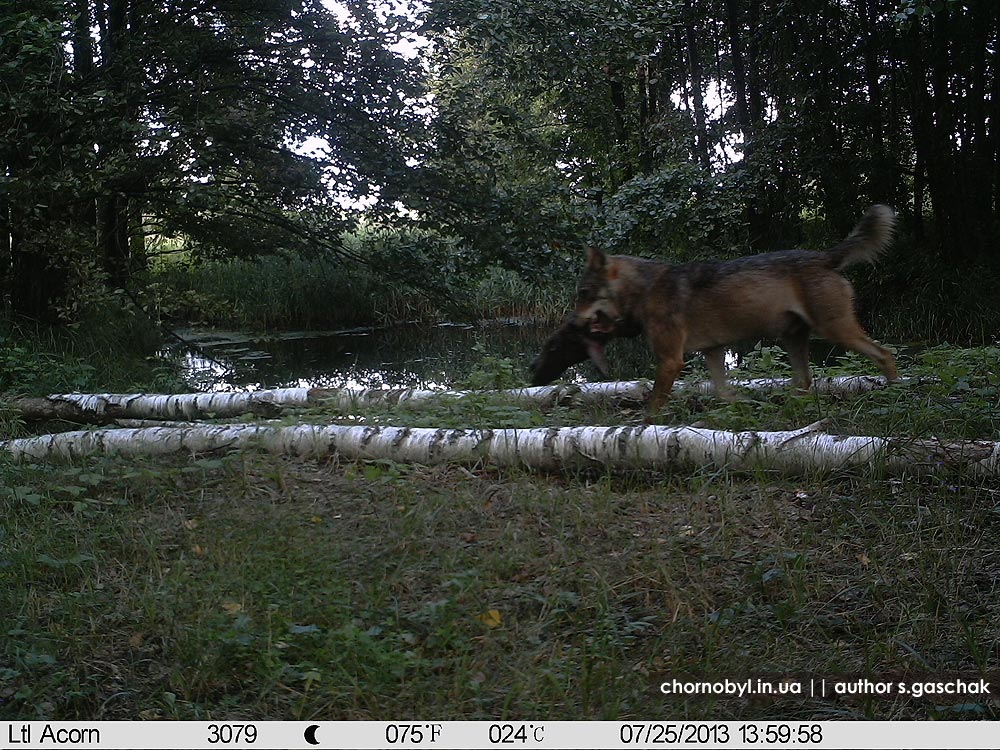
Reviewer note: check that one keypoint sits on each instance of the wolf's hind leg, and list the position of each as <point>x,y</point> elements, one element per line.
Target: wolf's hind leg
<point>715,358</point>
<point>848,332</point>
<point>795,342</point>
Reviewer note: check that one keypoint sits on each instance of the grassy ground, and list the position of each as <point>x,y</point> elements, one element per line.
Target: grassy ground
<point>257,587</point>
<point>252,586</point>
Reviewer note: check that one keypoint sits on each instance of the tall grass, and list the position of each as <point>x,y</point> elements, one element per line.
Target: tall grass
<point>111,350</point>
<point>503,293</point>
<point>919,292</point>
<point>280,292</point>
<point>957,307</point>
<point>288,293</point>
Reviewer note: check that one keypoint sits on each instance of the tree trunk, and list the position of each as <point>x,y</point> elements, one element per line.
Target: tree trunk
<point>114,208</point>
<point>621,165</point>
<point>83,46</point>
<point>697,91</point>
<point>883,183</point>
<point>647,108</point>
<point>35,226</point>
<point>136,238</point>
<point>805,451</point>
<point>930,172</point>
<point>749,113</point>
<point>5,257</point>
<point>113,238</point>
<point>104,408</point>
<point>739,72</point>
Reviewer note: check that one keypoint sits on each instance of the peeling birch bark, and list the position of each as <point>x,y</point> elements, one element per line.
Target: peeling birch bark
<point>592,393</point>
<point>104,408</point>
<point>653,447</point>
<point>155,423</point>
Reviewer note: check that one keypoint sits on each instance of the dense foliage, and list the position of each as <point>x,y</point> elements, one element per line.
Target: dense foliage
<point>122,118</point>
<point>510,133</point>
<point>772,107</point>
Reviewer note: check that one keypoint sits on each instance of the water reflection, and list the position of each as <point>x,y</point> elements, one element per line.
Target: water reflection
<point>405,356</point>
<point>409,356</point>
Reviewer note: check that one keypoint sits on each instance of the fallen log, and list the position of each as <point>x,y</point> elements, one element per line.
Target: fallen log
<point>592,393</point>
<point>105,408</point>
<point>803,451</point>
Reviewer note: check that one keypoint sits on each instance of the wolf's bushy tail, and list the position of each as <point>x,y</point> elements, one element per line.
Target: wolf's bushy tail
<point>868,240</point>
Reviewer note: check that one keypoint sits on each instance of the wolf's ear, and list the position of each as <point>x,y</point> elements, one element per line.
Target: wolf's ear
<point>596,260</point>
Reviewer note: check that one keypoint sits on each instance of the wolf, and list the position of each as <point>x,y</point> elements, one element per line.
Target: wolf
<point>707,306</point>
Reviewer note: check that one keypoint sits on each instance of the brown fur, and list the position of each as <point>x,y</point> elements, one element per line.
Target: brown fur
<point>707,306</point>
<point>573,342</point>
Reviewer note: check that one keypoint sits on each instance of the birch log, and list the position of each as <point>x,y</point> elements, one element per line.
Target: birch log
<point>648,447</point>
<point>104,408</point>
<point>591,393</point>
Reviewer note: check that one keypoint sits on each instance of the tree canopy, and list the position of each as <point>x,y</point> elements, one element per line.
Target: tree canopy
<point>126,117</point>
<point>769,107</point>
<point>520,130</point>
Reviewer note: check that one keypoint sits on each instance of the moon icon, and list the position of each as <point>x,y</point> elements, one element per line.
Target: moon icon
<point>310,734</point>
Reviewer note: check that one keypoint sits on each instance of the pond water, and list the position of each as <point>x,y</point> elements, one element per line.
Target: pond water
<point>403,356</point>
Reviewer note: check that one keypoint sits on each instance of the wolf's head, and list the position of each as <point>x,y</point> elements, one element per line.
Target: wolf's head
<point>595,306</point>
